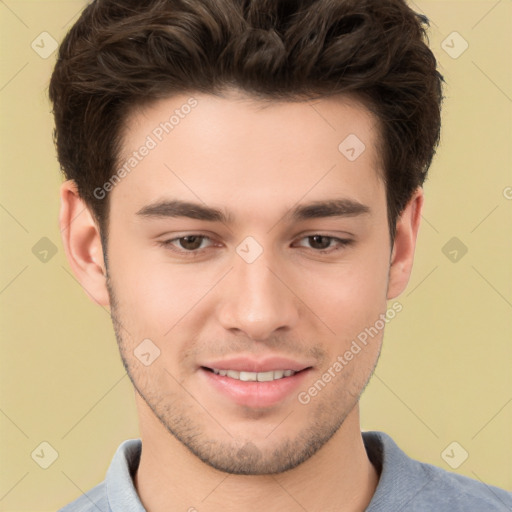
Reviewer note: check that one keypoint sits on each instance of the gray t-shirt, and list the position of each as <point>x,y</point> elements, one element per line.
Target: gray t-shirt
<point>405,485</point>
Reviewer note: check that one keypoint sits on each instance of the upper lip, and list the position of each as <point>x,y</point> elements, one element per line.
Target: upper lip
<point>248,364</point>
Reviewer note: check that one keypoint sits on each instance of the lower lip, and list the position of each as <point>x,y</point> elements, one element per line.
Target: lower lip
<point>255,394</point>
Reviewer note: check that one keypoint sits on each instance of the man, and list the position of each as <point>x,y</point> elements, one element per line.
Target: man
<point>244,193</point>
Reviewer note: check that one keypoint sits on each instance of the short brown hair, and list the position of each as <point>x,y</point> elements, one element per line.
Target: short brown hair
<point>123,53</point>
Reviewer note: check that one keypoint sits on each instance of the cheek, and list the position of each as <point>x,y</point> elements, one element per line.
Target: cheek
<point>349,296</point>
<point>155,296</point>
<point>142,283</point>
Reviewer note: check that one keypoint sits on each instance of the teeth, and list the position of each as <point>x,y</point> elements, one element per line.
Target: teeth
<point>265,376</point>
<point>233,374</point>
<point>255,376</point>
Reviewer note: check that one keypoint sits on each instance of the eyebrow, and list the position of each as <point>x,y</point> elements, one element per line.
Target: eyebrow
<point>314,210</point>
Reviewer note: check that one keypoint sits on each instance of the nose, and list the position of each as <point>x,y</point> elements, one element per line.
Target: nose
<point>256,300</point>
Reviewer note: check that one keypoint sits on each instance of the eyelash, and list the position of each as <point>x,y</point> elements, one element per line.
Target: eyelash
<point>168,244</point>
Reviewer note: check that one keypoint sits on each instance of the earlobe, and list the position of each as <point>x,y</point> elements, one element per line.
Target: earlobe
<point>82,243</point>
<point>402,256</point>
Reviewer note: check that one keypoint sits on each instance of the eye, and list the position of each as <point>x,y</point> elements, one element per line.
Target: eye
<point>326,244</point>
<point>186,244</point>
<point>194,244</point>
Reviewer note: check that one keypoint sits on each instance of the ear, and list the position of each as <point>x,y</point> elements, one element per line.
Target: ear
<point>402,256</point>
<point>82,243</point>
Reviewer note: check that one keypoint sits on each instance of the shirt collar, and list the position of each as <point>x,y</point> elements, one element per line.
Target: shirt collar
<point>401,478</point>
<point>397,484</point>
<point>120,489</point>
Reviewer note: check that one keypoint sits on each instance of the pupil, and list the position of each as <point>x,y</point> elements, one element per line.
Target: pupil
<point>317,240</point>
<point>190,242</point>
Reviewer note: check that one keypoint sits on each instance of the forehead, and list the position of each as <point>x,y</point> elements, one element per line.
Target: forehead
<point>236,148</point>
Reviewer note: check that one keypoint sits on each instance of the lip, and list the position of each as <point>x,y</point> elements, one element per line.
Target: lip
<point>252,394</point>
<point>247,364</point>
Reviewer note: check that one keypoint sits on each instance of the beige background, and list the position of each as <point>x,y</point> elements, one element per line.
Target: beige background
<point>445,371</point>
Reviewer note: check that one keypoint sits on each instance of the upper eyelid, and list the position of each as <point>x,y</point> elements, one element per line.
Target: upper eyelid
<point>300,236</point>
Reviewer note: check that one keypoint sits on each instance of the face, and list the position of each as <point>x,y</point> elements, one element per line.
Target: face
<point>247,240</point>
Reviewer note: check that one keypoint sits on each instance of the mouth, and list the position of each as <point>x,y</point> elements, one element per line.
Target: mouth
<point>262,389</point>
<point>247,376</point>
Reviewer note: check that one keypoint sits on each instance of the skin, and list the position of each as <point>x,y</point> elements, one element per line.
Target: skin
<point>256,161</point>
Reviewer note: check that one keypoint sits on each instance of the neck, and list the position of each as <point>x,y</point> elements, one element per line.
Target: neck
<point>338,477</point>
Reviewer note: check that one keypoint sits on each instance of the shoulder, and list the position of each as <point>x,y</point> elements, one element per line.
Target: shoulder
<point>454,492</point>
<point>117,491</point>
<point>94,500</point>
<point>408,484</point>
